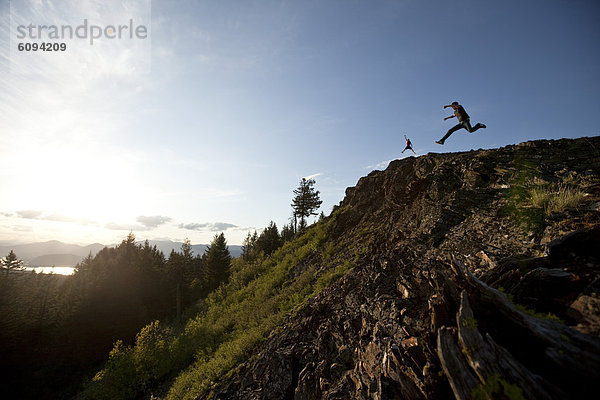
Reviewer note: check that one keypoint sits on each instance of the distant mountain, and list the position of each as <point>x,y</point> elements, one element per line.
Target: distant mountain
<point>55,253</point>
<point>57,260</point>
<point>32,251</point>
<point>166,246</point>
<point>7,242</point>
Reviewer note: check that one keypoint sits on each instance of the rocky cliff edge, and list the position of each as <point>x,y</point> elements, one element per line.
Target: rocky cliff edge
<point>475,276</point>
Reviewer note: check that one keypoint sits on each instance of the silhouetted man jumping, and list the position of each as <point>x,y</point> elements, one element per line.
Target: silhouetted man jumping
<point>463,122</point>
<point>408,145</point>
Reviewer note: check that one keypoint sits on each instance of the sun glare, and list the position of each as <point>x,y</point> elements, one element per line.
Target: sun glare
<point>91,183</point>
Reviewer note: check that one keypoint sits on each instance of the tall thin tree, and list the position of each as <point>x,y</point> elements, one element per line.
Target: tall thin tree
<point>305,203</point>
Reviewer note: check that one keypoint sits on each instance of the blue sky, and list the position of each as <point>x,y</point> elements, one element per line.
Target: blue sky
<point>213,120</point>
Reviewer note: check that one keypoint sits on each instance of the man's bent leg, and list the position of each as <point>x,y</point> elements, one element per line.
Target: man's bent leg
<point>467,125</point>
<point>451,131</point>
<point>471,129</point>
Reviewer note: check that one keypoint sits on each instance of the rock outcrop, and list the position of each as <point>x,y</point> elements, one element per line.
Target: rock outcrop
<point>462,287</point>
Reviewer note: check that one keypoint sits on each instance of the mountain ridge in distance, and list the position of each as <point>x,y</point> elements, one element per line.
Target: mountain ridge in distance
<point>59,254</point>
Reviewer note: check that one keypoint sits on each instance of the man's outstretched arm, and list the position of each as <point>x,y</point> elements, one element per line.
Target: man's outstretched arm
<point>452,116</point>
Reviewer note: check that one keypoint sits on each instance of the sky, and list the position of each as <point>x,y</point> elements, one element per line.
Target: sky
<point>209,122</point>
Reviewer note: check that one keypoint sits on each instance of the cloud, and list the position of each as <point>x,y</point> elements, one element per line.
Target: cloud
<point>221,226</point>
<point>65,218</point>
<point>313,176</point>
<point>113,226</point>
<point>144,223</point>
<point>152,221</point>
<point>208,226</point>
<point>246,228</point>
<point>30,214</point>
<point>40,215</point>
<point>380,165</point>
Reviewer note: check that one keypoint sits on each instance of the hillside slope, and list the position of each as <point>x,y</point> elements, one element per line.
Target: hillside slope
<point>434,242</point>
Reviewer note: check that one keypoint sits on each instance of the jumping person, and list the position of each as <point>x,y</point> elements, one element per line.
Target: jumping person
<point>463,122</point>
<point>408,145</point>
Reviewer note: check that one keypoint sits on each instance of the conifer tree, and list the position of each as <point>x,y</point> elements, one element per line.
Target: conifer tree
<point>11,263</point>
<point>216,262</point>
<point>269,240</point>
<point>181,266</point>
<point>305,203</point>
<point>287,232</point>
<point>248,246</point>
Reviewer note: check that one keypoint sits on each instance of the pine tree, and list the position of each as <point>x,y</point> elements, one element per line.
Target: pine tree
<point>287,232</point>
<point>11,263</point>
<point>181,270</point>
<point>305,203</point>
<point>269,240</point>
<point>216,262</point>
<point>247,247</point>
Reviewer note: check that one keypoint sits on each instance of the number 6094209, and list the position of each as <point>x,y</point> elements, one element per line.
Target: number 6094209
<point>44,46</point>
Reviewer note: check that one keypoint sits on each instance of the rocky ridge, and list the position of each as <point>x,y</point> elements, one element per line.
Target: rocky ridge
<point>461,287</point>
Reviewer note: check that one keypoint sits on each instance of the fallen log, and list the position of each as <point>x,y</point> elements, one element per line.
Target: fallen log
<point>487,359</point>
<point>462,380</point>
<point>573,358</point>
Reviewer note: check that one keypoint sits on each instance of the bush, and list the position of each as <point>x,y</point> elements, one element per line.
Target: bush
<point>117,379</point>
<point>152,353</point>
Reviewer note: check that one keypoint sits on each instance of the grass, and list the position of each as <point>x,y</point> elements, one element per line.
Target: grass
<point>556,198</point>
<point>517,197</point>
<point>531,199</point>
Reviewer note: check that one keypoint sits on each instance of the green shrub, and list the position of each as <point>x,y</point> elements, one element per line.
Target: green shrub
<point>152,353</point>
<point>117,379</point>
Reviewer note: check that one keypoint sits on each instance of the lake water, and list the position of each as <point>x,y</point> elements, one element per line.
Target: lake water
<point>56,270</point>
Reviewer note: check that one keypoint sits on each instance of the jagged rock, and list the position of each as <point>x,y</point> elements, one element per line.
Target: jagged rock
<point>585,310</point>
<point>584,244</point>
<point>400,324</point>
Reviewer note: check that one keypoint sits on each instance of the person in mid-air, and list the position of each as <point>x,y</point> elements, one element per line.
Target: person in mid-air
<point>463,122</point>
<point>408,145</point>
